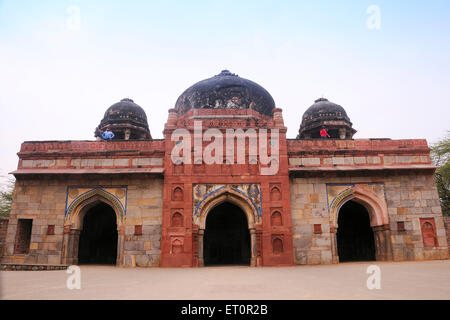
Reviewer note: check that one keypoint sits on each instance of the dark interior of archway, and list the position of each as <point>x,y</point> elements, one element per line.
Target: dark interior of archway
<point>98,239</point>
<point>226,238</point>
<point>355,238</point>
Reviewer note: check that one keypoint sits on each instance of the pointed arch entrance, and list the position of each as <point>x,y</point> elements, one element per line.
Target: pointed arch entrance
<point>355,238</point>
<point>226,238</point>
<point>243,215</point>
<point>94,232</point>
<point>98,236</point>
<point>360,226</point>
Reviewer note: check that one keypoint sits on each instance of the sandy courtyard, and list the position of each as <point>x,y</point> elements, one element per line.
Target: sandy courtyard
<point>399,280</point>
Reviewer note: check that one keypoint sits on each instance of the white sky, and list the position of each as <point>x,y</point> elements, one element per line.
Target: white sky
<point>57,80</point>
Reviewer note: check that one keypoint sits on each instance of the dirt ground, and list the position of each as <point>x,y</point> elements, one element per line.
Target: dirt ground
<point>399,280</point>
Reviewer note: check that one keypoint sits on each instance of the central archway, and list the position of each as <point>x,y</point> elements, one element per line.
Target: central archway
<point>98,237</point>
<point>355,237</point>
<point>226,238</point>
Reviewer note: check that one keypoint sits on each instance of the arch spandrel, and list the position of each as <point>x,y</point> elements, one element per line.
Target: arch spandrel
<point>226,194</point>
<point>78,208</point>
<point>376,207</point>
<point>116,195</point>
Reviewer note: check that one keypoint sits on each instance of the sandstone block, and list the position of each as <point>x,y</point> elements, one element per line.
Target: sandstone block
<point>54,259</point>
<point>314,257</point>
<point>338,160</point>
<point>359,160</point>
<point>311,161</point>
<point>303,243</point>
<point>295,161</point>
<point>301,257</point>
<point>326,257</point>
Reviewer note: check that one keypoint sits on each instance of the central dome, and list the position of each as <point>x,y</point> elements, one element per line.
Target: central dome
<point>226,91</point>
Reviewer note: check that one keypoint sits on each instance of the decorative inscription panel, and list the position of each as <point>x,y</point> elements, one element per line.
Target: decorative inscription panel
<point>204,192</point>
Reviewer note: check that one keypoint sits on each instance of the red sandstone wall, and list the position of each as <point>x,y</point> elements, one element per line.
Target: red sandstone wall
<point>186,175</point>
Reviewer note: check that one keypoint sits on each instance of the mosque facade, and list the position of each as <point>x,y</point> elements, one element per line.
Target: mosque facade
<point>225,186</point>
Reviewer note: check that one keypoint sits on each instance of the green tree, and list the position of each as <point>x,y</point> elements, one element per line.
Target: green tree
<point>440,155</point>
<point>6,198</point>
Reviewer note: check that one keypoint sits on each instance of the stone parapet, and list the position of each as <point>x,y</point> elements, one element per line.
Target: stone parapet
<point>74,147</point>
<point>91,157</point>
<point>362,154</point>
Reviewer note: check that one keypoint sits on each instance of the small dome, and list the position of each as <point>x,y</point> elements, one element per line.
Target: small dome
<point>324,114</point>
<point>226,91</point>
<point>126,120</point>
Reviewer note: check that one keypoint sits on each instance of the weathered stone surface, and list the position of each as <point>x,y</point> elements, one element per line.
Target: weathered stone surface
<point>311,161</point>
<point>147,162</point>
<point>142,260</point>
<point>303,243</point>
<point>405,200</point>
<point>301,257</point>
<point>322,242</point>
<point>48,248</point>
<point>338,160</point>
<point>303,198</point>
<point>314,257</point>
<point>326,257</point>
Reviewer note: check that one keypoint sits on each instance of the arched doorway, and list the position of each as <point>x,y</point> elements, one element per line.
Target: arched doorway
<point>226,239</point>
<point>355,237</point>
<point>98,237</point>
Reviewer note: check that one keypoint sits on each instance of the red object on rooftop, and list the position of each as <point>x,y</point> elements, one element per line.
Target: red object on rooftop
<point>324,133</point>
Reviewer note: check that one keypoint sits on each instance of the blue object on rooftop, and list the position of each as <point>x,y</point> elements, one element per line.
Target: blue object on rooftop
<point>107,135</point>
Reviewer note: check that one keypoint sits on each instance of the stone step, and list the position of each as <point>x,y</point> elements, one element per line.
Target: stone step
<point>31,267</point>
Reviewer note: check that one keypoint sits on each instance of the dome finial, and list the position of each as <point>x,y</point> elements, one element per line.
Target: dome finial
<point>127,100</point>
<point>226,72</point>
<point>320,99</point>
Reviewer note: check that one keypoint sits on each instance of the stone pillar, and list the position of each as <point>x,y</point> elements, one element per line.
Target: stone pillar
<point>172,120</point>
<point>70,246</point>
<point>258,240</point>
<point>334,249</point>
<point>65,245</point>
<point>278,117</point>
<point>253,247</point>
<point>201,261</point>
<point>127,134</point>
<point>383,246</point>
<point>120,246</point>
